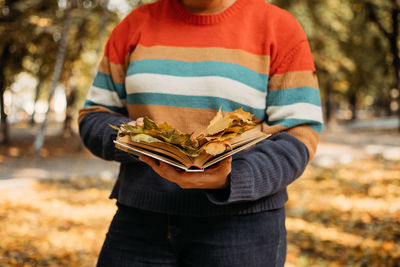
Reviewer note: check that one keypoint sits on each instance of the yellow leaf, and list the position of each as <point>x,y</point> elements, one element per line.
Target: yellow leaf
<point>241,115</point>
<point>215,148</point>
<point>218,125</point>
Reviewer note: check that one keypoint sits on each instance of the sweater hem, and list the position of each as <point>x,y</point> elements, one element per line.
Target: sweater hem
<point>192,205</point>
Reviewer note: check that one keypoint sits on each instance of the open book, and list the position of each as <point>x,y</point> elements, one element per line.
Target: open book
<point>175,157</point>
<point>226,134</point>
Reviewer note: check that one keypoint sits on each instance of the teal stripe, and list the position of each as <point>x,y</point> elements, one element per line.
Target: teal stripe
<point>105,81</point>
<point>315,125</point>
<point>191,102</point>
<point>199,69</point>
<point>89,103</point>
<point>294,96</point>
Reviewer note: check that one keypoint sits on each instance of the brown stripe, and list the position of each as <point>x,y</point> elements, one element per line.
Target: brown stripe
<point>258,63</point>
<point>188,120</point>
<point>293,80</point>
<point>308,136</point>
<point>116,71</point>
<point>85,111</point>
<point>272,129</point>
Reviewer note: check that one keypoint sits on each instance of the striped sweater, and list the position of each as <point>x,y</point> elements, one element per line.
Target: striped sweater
<point>174,66</point>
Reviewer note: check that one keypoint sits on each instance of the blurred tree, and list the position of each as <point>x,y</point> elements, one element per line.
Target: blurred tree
<point>3,61</point>
<point>326,25</point>
<point>30,33</point>
<point>39,140</point>
<point>16,17</point>
<point>385,15</point>
<point>72,71</point>
<point>21,30</point>
<point>350,54</point>
<point>368,50</point>
<point>41,66</point>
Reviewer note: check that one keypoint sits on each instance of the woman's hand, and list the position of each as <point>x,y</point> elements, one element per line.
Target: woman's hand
<point>212,178</point>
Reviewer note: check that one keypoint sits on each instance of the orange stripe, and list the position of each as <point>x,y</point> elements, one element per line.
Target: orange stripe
<point>293,80</point>
<point>298,59</point>
<point>237,35</point>
<point>116,71</point>
<point>308,136</point>
<point>257,63</point>
<point>85,111</point>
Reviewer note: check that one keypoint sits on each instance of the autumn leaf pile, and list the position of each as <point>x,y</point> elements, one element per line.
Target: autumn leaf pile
<point>216,139</point>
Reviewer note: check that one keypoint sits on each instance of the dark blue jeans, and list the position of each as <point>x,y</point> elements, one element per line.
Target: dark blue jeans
<point>142,238</point>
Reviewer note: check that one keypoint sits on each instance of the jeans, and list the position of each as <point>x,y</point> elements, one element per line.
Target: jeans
<point>142,238</point>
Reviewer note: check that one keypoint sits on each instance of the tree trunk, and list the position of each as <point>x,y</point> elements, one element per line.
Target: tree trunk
<point>37,92</point>
<point>353,105</point>
<point>39,141</point>
<point>70,97</point>
<point>4,125</point>
<point>71,92</point>
<point>329,107</point>
<point>392,37</point>
<point>395,49</point>
<point>102,34</point>
<point>5,139</point>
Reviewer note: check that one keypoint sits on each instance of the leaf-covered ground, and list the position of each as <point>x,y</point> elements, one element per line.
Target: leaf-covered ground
<point>347,216</point>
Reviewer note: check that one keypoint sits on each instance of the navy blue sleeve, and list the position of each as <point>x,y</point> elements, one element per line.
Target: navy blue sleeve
<point>265,169</point>
<point>98,137</point>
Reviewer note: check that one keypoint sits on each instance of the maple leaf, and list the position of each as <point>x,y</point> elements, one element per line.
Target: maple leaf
<point>218,125</point>
<point>222,122</point>
<point>215,148</point>
<point>241,115</point>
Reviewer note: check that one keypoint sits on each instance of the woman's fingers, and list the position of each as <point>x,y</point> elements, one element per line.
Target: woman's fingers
<point>139,121</point>
<point>209,179</point>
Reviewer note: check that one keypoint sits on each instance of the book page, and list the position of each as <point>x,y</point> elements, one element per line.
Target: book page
<point>139,151</point>
<point>228,153</point>
<point>163,148</point>
<point>239,143</point>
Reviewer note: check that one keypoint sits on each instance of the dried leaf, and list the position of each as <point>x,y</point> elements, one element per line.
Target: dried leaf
<point>149,124</point>
<point>114,127</point>
<point>235,118</point>
<point>144,138</point>
<point>217,116</point>
<point>215,148</point>
<point>241,115</point>
<point>218,125</point>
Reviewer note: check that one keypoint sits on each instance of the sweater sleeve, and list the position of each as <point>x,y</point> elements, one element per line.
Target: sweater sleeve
<point>108,93</point>
<point>294,117</point>
<point>98,137</point>
<point>105,101</point>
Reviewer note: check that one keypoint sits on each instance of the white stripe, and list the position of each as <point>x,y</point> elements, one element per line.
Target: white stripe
<point>303,111</point>
<point>104,97</point>
<point>196,86</point>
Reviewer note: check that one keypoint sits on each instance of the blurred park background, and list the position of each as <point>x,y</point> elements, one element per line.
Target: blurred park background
<point>54,206</point>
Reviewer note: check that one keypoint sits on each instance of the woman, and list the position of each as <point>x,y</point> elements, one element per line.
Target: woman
<point>178,61</point>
